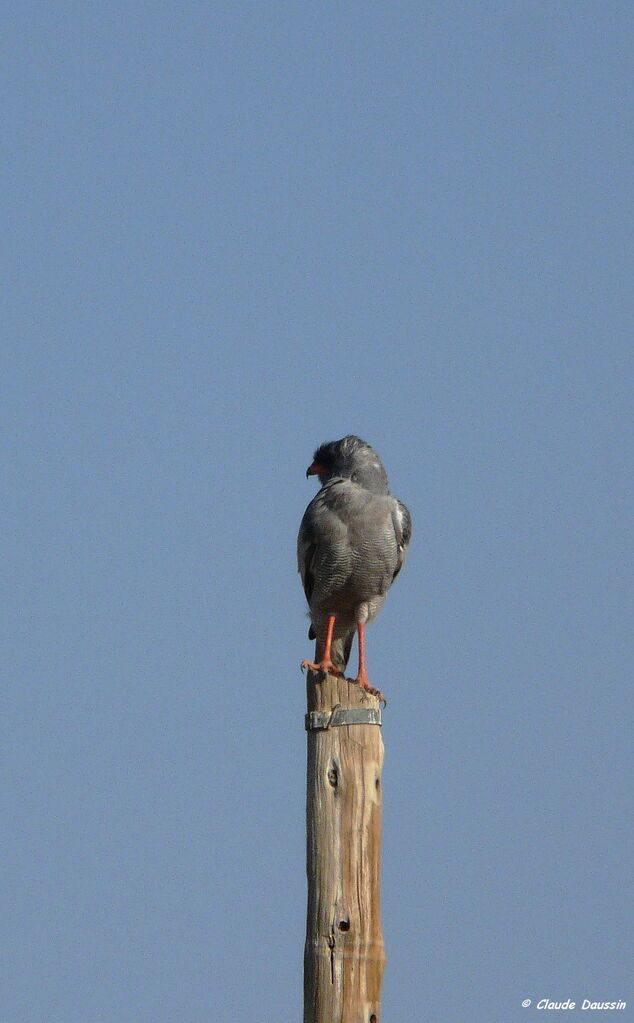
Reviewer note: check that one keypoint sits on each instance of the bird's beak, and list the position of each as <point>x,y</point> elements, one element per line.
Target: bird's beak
<point>313,470</point>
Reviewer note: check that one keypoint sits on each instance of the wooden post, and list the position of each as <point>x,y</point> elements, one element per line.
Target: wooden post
<point>344,955</point>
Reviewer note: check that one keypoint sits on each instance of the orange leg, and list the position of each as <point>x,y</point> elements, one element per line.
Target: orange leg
<point>362,675</point>
<point>327,665</point>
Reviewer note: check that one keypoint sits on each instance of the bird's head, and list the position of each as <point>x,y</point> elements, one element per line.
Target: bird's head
<point>350,458</point>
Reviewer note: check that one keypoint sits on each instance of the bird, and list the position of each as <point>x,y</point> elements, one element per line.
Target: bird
<point>352,543</point>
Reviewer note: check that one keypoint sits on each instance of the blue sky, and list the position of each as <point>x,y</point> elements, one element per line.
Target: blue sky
<point>232,232</point>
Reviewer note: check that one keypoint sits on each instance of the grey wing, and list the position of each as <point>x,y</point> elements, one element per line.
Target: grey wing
<point>306,548</point>
<point>402,522</point>
<point>323,550</point>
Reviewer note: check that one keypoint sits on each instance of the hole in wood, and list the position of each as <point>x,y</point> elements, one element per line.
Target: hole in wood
<point>344,925</point>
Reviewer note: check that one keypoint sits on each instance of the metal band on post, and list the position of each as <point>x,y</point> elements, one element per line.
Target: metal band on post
<point>318,719</point>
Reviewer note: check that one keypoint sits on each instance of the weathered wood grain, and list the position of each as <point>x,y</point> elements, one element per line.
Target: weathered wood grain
<point>344,956</point>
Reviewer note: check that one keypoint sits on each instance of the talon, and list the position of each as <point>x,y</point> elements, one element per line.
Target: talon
<point>326,667</point>
<point>363,683</point>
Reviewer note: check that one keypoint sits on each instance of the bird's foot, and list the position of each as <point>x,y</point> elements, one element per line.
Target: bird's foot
<point>326,667</point>
<point>363,682</point>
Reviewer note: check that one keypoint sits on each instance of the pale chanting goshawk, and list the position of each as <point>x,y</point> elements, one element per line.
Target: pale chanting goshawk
<point>352,543</point>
